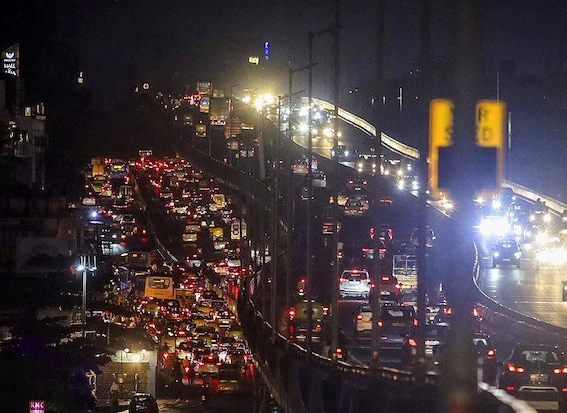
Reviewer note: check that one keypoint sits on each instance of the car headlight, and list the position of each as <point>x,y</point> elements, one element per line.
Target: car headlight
<point>547,218</point>
<point>496,254</point>
<point>517,255</point>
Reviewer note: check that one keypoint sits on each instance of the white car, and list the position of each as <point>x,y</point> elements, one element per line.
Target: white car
<point>355,283</point>
<point>233,260</point>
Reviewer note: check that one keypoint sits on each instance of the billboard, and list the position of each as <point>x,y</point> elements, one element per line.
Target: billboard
<point>11,60</point>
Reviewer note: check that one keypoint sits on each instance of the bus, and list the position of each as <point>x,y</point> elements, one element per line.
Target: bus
<point>155,286</point>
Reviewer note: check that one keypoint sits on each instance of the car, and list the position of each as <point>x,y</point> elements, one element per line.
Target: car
<point>536,372</point>
<point>429,237</point>
<point>236,357</point>
<point>536,233</point>
<point>363,322</point>
<point>185,349</point>
<point>355,282</point>
<point>487,354</point>
<point>367,250</point>
<point>143,402</point>
<point>233,260</point>
<point>208,364</point>
<point>386,233</point>
<point>390,289</point>
<point>435,337</point>
<point>396,322</point>
<point>357,183</point>
<point>319,179</point>
<point>506,252</point>
<point>354,208</point>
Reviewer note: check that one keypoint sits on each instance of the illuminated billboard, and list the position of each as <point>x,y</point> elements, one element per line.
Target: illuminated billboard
<point>11,60</point>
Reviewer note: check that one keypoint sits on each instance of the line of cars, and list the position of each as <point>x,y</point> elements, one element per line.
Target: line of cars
<point>206,342</point>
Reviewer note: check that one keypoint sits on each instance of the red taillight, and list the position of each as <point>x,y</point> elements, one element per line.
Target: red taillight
<point>515,369</point>
<point>398,286</point>
<point>291,313</point>
<point>380,323</point>
<point>564,390</point>
<point>385,278</point>
<point>412,342</point>
<point>415,322</point>
<point>490,354</point>
<point>510,388</point>
<point>359,317</point>
<point>560,370</point>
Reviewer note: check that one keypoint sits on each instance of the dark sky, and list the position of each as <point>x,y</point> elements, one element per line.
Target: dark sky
<point>175,42</point>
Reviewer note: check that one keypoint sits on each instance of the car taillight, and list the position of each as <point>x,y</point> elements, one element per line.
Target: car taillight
<point>415,322</point>
<point>380,323</point>
<point>359,317</point>
<point>398,286</point>
<point>560,370</point>
<point>510,388</point>
<point>490,354</point>
<point>291,313</point>
<point>515,369</point>
<point>412,342</point>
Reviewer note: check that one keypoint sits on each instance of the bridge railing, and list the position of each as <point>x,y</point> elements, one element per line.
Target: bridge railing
<point>306,382</point>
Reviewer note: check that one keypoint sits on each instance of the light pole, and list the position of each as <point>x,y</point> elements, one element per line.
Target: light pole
<point>229,126</point>
<point>85,265</point>
<point>308,248</point>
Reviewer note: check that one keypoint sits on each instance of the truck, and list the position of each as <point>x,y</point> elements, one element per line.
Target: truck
<point>219,110</point>
<point>404,268</point>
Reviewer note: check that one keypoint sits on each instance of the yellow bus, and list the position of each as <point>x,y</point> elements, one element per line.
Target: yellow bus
<point>159,287</point>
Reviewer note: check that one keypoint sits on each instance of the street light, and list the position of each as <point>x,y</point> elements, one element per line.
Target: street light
<point>308,280</point>
<point>85,266</point>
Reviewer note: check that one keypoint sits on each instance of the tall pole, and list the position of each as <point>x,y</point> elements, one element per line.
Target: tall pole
<point>308,280</point>
<point>288,211</point>
<point>289,192</point>
<point>422,200</point>
<point>335,274</point>
<point>275,220</point>
<point>459,382</point>
<point>378,181</point>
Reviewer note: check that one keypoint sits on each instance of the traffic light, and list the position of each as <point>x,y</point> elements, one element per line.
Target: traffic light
<point>490,146</point>
<point>441,148</point>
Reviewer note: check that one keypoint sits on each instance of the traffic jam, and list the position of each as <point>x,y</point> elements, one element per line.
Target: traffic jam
<point>183,296</point>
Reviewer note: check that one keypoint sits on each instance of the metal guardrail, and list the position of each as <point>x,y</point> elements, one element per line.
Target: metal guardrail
<point>412,153</point>
<point>384,373</point>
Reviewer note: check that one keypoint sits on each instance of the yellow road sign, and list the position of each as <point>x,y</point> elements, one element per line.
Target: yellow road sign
<point>440,135</point>
<point>490,123</point>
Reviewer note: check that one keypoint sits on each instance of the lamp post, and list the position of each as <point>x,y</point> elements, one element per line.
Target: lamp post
<point>308,248</point>
<point>229,127</point>
<point>85,265</point>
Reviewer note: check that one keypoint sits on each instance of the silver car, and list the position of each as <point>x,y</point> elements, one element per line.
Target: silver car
<point>355,283</point>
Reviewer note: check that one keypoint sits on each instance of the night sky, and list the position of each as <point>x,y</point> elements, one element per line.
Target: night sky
<point>176,42</point>
<point>172,44</point>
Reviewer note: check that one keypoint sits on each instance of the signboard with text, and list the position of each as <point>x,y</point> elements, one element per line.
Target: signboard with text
<point>11,60</point>
<point>37,406</point>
